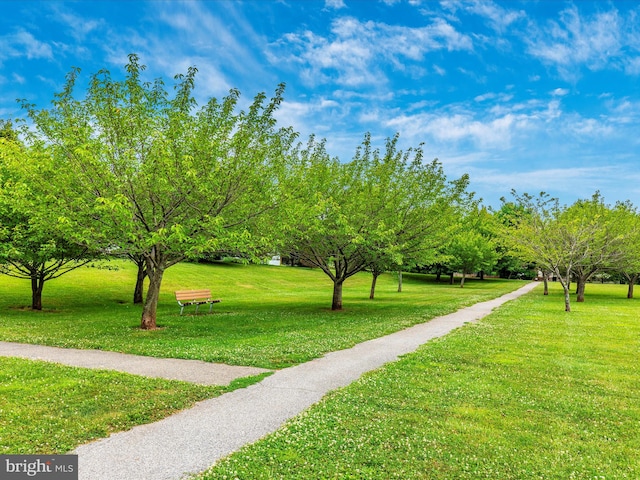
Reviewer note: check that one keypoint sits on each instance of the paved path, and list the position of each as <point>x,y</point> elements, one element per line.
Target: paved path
<point>192,440</point>
<point>194,371</point>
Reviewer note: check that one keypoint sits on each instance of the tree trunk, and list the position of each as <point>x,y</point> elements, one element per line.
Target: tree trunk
<point>566,285</point>
<point>138,293</point>
<point>374,280</point>
<point>399,281</point>
<point>546,284</point>
<point>462,280</point>
<point>567,299</point>
<point>581,283</point>
<point>37,284</point>
<point>337,295</point>
<point>631,282</point>
<point>451,278</point>
<point>148,321</point>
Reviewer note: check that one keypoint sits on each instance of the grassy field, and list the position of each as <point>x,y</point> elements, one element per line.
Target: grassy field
<point>47,408</point>
<point>270,317</point>
<point>530,392</point>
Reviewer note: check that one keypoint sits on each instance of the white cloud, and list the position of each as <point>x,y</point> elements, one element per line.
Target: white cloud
<point>334,4</point>
<point>590,127</point>
<point>31,47</point>
<point>499,18</point>
<point>632,66</point>
<point>576,40</point>
<point>223,48</point>
<point>493,97</point>
<point>370,116</point>
<point>316,115</point>
<point>294,113</point>
<point>460,128</point>
<point>492,123</point>
<point>357,51</point>
<point>79,27</point>
<point>328,103</point>
<point>24,44</point>
<point>196,27</point>
<point>560,92</point>
<point>622,112</point>
<point>485,96</point>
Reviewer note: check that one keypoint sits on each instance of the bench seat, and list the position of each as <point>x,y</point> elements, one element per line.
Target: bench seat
<point>195,297</point>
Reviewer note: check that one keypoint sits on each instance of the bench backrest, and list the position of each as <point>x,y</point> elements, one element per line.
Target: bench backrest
<point>193,294</point>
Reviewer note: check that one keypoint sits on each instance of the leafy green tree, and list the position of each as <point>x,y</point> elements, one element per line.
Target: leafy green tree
<point>328,222</point>
<point>470,252</point>
<point>509,265</point>
<point>605,246</point>
<point>551,238</point>
<point>378,211</point>
<point>155,176</point>
<point>33,244</point>
<point>421,205</point>
<point>628,263</point>
<point>7,131</point>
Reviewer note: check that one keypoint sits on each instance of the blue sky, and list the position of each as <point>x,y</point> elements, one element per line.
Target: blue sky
<point>534,96</point>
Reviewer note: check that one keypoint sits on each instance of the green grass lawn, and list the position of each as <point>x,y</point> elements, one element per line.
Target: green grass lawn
<point>530,392</point>
<point>270,317</point>
<point>47,408</point>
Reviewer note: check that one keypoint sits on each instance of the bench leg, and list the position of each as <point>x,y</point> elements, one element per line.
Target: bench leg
<point>210,306</point>
<point>197,307</point>
<point>181,309</point>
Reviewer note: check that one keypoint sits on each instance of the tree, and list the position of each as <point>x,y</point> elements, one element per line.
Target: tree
<point>470,252</point>
<point>163,179</point>
<point>376,212</point>
<point>549,237</point>
<point>607,243</point>
<point>329,223</point>
<point>33,244</point>
<point>141,275</point>
<point>509,265</point>
<point>420,205</point>
<point>628,263</point>
<point>7,131</point>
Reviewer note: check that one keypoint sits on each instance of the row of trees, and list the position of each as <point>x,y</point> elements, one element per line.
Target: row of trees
<point>575,242</point>
<point>132,171</point>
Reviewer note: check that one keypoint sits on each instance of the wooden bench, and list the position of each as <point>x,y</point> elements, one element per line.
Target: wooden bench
<point>195,297</point>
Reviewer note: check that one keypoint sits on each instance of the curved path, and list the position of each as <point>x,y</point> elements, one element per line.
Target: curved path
<point>194,371</point>
<point>192,440</point>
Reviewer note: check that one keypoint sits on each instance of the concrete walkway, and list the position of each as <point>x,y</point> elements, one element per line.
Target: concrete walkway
<point>195,371</point>
<point>192,440</point>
